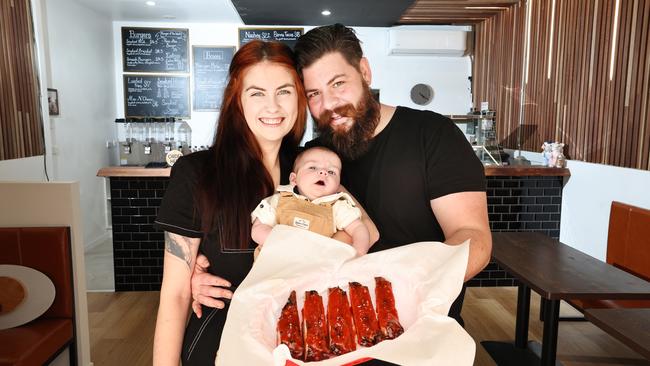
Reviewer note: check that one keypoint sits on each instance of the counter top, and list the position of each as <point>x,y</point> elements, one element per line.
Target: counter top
<point>490,171</point>
<point>133,171</point>
<point>525,171</point>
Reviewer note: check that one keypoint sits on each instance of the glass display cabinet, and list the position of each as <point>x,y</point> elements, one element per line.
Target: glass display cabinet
<point>480,130</point>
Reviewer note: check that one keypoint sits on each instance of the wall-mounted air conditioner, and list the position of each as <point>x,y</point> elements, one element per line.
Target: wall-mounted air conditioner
<point>443,42</point>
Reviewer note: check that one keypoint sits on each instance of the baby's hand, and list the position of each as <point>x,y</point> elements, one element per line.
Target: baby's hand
<point>360,251</point>
<point>342,236</point>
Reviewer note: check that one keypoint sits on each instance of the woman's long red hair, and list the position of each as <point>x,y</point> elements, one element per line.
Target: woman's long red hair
<point>235,180</point>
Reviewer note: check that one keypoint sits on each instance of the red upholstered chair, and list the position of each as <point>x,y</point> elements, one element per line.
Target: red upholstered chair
<point>47,250</point>
<point>628,248</point>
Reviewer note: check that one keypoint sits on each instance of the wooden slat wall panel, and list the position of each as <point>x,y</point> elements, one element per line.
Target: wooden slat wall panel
<point>641,95</point>
<point>601,120</point>
<point>20,125</point>
<point>497,78</point>
<point>452,11</point>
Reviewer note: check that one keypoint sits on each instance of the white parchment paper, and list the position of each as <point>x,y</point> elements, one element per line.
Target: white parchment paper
<point>426,279</point>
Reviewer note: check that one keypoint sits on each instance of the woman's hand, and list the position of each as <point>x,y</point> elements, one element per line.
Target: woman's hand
<point>207,288</point>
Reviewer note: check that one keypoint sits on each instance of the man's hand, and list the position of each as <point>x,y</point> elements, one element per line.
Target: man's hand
<point>206,287</point>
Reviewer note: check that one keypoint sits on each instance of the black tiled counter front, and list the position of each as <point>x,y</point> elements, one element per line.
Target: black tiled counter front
<point>138,247</point>
<point>526,203</point>
<point>519,199</point>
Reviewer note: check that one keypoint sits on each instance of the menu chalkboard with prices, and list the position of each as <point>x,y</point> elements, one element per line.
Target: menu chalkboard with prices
<point>210,65</point>
<point>288,36</point>
<point>156,96</point>
<point>155,50</point>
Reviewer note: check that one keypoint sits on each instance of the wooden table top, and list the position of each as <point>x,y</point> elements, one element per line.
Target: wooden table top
<point>630,326</point>
<point>558,271</point>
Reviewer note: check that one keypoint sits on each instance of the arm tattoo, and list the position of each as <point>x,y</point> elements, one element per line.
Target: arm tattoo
<point>178,247</point>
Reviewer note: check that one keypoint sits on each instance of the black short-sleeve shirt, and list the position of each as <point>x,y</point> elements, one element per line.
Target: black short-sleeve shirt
<point>178,214</point>
<point>418,157</point>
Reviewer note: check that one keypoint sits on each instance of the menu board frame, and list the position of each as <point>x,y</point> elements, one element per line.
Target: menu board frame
<point>195,89</point>
<point>187,100</point>
<point>260,29</point>
<point>144,68</point>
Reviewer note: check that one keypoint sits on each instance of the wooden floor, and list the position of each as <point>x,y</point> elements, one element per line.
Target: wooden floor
<point>122,326</point>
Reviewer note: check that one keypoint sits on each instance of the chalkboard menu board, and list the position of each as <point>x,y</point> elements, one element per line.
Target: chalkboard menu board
<point>211,65</point>
<point>156,96</point>
<point>155,50</point>
<point>288,36</point>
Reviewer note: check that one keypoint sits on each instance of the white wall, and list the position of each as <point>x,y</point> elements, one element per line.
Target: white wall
<point>586,199</point>
<point>23,169</point>
<point>77,61</point>
<point>393,75</point>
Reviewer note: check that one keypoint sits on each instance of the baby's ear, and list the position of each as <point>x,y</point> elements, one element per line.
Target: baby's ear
<point>292,178</point>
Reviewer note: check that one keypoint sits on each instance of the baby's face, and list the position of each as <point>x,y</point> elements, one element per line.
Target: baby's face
<point>317,173</point>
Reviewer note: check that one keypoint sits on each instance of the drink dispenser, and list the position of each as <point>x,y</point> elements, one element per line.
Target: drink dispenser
<point>137,147</point>
<point>158,141</point>
<point>126,145</point>
<point>184,137</point>
<point>147,138</point>
<point>169,136</point>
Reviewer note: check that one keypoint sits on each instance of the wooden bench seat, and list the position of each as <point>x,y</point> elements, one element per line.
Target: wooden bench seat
<point>628,248</point>
<point>48,251</point>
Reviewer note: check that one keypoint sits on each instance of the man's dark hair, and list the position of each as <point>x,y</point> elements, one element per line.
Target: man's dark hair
<point>320,41</point>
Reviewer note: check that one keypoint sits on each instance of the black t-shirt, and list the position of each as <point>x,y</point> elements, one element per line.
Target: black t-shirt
<point>178,214</point>
<point>419,156</point>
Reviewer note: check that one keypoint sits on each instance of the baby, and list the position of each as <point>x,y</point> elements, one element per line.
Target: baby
<point>312,201</point>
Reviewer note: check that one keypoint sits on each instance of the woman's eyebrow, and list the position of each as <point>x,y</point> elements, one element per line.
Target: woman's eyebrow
<point>255,87</point>
<point>287,85</point>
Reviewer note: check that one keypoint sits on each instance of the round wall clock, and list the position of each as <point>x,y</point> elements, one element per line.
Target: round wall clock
<point>422,94</point>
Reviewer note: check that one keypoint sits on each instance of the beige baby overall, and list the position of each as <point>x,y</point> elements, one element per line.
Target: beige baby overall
<point>300,213</point>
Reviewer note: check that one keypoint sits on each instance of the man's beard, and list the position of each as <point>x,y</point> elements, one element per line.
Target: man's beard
<point>352,143</point>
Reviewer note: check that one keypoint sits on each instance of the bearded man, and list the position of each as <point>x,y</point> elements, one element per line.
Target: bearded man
<point>413,171</point>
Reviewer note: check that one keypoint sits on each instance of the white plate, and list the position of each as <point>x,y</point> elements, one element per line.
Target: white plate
<point>39,295</point>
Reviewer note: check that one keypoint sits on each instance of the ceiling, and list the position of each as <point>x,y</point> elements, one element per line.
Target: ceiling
<point>453,11</point>
<point>370,13</point>
<point>375,13</point>
<point>187,11</point>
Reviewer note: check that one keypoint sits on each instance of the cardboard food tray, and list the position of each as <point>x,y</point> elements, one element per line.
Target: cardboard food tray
<point>426,278</point>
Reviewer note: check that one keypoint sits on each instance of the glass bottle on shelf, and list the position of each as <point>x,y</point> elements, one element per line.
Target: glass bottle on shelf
<point>147,138</point>
<point>125,146</point>
<point>169,136</point>
<point>137,142</point>
<point>185,137</point>
<point>157,146</point>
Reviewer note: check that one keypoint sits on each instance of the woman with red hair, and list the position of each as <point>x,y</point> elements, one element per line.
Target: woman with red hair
<point>211,194</point>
